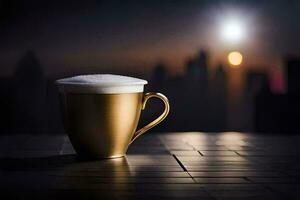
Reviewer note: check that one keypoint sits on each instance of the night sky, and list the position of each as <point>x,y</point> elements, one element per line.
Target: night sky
<point>136,35</point>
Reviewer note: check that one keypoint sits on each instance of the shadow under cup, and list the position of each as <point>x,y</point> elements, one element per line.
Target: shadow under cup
<point>104,125</point>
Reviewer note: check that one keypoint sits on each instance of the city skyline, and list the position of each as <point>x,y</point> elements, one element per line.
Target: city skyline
<point>136,36</point>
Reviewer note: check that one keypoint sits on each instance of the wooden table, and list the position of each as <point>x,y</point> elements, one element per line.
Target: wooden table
<point>185,165</point>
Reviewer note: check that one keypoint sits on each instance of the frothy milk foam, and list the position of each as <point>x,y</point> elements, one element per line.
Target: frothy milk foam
<point>101,84</point>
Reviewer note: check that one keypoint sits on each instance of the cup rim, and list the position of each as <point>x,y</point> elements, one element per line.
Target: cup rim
<point>68,82</point>
<point>130,85</point>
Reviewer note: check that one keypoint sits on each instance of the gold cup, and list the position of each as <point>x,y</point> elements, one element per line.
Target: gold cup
<point>104,125</point>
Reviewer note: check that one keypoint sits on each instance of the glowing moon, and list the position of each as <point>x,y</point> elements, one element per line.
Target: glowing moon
<point>233,31</point>
<point>235,58</point>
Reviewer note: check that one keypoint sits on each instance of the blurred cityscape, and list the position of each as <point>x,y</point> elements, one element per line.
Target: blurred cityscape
<point>201,99</point>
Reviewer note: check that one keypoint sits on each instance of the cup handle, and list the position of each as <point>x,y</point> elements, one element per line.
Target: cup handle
<point>147,96</point>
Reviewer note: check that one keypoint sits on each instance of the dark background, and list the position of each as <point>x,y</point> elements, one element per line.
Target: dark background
<point>176,45</point>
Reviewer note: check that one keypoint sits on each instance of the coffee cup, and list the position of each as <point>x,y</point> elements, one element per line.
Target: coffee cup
<point>101,112</point>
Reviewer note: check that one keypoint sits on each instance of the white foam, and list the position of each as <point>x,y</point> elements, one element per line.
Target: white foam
<point>101,83</point>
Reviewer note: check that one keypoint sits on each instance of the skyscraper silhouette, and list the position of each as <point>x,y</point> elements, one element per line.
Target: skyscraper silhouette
<point>218,99</point>
<point>197,70</point>
<point>293,74</point>
<point>159,77</point>
<point>29,95</point>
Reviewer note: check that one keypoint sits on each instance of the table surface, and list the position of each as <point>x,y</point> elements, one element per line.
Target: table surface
<point>185,165</point>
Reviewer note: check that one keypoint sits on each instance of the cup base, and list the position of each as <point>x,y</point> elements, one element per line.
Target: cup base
<point>116,156</point>
<point>84,157</point>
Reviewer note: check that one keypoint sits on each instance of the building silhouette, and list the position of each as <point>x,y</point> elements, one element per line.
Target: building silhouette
<point>159,77</point>
<point>256,83</point>
<point>6,114</point>
<point>197,70</point>
<point>218,98</point>
<point>29,95</point>
<point>293,74</point>
<point>280,112</point>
